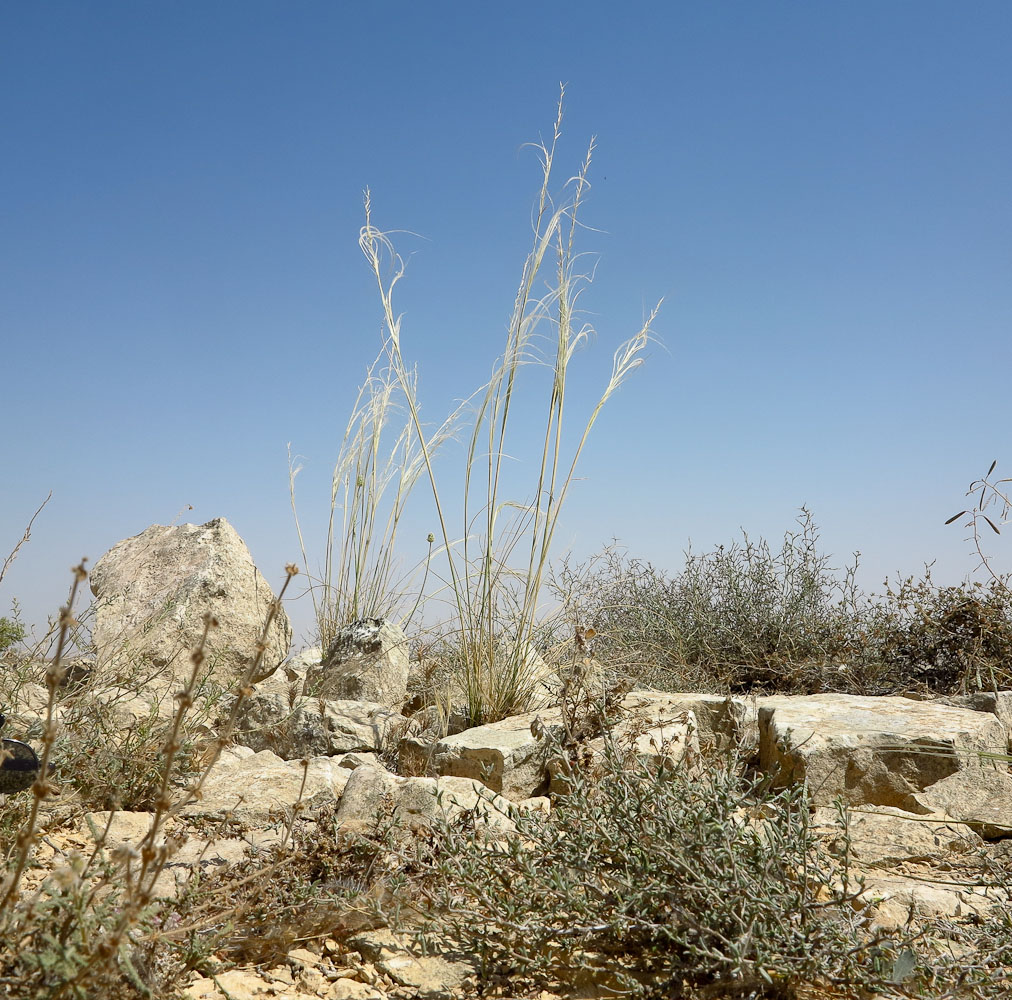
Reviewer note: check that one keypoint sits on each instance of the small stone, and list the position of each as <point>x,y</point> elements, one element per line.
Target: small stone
<point>367,661</point>
<point>351,989</point>
<point>302,956</point>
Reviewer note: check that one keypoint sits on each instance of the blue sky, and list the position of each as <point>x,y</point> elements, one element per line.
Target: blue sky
<point>820,193</point>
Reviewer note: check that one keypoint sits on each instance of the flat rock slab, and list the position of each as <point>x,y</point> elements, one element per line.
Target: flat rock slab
<point>509,758</point>
<point>259,788</point>
<point>871,751</point>
<point>886,837</point>
<point>982,799</point>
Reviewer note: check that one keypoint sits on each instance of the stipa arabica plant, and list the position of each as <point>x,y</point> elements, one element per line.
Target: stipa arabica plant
<point>377,467</point>
<point>497,572</point>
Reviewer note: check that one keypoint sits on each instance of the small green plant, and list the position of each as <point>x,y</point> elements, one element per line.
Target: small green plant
<point>497,572</point>
<point>11,632</point>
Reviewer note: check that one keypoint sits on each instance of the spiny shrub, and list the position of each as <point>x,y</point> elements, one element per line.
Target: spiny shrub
<point>946,639</point>
<point>738,616</point>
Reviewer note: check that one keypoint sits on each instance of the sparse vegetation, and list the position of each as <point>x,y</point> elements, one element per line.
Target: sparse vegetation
<point>643,881</point>
<point>746,617</point>
<point>654,883</point>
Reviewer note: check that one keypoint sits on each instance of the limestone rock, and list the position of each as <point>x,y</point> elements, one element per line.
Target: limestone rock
<point>720,720</point>
<point>425,975</point>
<point>258,788</point>
<point>122,832</point>
<point>871,751</point>
<point>297,727</point>
<point>893,899</point>
<point>367,661</point>
<point>981,798</point>
<point>289,680</point>
<point>417,803</point>
<point>505,756</point>
<point>152,593</point>
<point>883,836</point>
<point>998,703</point>
<point>512,757</point>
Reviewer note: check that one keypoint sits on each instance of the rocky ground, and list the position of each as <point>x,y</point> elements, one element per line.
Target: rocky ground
<point>921,792</point>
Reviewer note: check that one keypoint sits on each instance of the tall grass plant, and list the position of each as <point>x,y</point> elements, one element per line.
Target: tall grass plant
<point>377,467</point>
<point>497,571</point>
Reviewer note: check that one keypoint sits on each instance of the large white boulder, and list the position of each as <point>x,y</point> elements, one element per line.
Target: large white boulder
<point>152,593</point>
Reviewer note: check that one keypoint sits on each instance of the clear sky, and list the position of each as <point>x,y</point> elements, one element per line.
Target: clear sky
<point>821,192</point>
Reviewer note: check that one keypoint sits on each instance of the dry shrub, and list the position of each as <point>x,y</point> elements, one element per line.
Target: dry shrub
<point>750,617</point>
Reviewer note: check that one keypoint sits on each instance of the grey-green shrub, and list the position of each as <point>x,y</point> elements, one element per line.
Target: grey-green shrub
<point>747,616</point>
<point>653,883</point>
